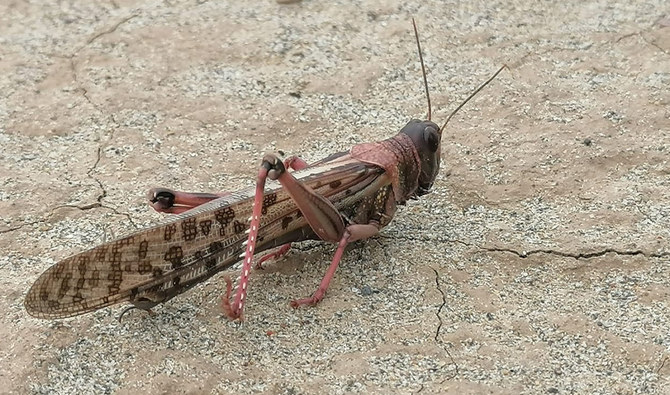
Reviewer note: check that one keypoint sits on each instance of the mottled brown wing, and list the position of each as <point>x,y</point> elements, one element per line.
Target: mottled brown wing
<point>154,263</point>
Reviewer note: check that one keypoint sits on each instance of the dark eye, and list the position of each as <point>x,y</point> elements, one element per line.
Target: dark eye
<point>431,138</point>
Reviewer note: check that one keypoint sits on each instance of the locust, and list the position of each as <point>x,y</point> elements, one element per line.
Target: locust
<point>345,197</point>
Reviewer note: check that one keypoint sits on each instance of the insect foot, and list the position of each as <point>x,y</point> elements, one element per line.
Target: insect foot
<point>226,305</point>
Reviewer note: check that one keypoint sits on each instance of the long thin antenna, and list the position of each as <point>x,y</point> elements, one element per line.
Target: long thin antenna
<point>471,96</point>
<point>423,68</point>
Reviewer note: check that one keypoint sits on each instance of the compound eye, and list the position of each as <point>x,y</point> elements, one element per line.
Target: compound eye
<point>431,138</point>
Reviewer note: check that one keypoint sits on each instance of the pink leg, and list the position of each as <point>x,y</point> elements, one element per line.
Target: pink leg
<point>175,202</point>
<point>226,305</point>
<point>166,200</point>
<point>236,309</point>
<point>319,212</point>
<point>295,163</point>
<point>283,250</point>
<point>351,233</point>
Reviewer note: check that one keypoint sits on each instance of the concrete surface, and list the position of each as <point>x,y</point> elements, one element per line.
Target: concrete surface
<point>540,264</point>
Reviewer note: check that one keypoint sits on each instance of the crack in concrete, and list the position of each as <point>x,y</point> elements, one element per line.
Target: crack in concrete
<point>91,206</point>
<point>89,175</point>
<point>99,199</point>
<point>525,254</point>
<point>80,87</point>
<point>103,194</point>
<point>72,57</point>
<point>15,228</point>
<point>653,44</point>
<point>647,216</point>
<point>82,208</point>
<point>84,91</point>
<point>625,36</point>
<point>110,30</point>
<point>115,211</point>
<point>12,229</point>
<point>662,364</point>
<point>439,325</point>
<point>78,207</point>
<point>73,69</point>
<point>577,256</point>
<point>645,39</point>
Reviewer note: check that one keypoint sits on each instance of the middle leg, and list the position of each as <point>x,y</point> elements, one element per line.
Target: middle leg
<point>352,233</point>
<point>165,200</point>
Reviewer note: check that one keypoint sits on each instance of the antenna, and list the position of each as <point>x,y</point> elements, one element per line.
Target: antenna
<point>423,68</point>
<point>472,95</point>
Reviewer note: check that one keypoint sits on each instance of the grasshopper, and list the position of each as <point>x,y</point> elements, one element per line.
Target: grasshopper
<point>345,197</point>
